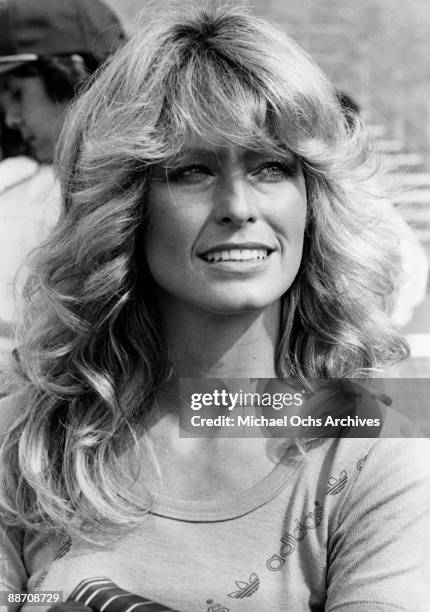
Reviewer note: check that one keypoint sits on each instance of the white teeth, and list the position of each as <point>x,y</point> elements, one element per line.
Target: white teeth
<point>236,255</point>
<point>244,254</point>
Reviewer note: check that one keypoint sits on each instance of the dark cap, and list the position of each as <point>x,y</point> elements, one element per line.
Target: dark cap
<point>31,28</point>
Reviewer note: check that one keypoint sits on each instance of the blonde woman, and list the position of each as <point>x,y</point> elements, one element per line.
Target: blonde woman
<point>216,224</point>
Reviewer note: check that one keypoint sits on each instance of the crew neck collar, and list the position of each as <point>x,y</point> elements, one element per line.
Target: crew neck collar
<point>240,503</point>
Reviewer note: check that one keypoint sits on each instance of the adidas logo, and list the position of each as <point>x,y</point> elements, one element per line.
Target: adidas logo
<point>246,589</point>
<point>360,463</point>
<point>66,545</point>
<point>336,485</point>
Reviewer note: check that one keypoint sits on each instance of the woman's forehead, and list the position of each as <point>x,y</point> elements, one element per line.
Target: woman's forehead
<point>221,147</point>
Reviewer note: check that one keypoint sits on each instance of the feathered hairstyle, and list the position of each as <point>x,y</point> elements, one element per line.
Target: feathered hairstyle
<point>91,350</point>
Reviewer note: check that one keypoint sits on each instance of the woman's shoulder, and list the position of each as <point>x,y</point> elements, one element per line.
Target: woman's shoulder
<point>393,466</point>
<point>356,466</point>
<point>397,439</point>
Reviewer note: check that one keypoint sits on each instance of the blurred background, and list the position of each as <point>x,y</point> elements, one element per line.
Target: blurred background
<point>378,52</point>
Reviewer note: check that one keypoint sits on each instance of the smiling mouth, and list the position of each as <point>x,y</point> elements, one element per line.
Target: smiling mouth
<point>243,254</point>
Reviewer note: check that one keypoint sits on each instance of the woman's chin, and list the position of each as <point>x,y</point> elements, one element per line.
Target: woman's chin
<point>238,303</point>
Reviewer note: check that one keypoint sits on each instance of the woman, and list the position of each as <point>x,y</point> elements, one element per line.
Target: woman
<point>216,225</point>
<point>48,50</point>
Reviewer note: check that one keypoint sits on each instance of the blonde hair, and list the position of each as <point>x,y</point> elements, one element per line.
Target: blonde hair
<point>91,349</point>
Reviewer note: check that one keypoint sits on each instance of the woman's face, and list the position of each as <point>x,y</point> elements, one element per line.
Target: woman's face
<point>28,108</point>
<point>226,227</point>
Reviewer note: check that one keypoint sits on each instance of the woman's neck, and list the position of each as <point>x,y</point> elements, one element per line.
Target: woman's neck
<point>206,346</point>
<point>212,345</point>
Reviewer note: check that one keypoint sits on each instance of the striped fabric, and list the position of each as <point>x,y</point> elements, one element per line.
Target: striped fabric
<point>102,595</point>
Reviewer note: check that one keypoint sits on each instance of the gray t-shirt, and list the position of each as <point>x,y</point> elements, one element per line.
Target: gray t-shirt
<point>344,527</point>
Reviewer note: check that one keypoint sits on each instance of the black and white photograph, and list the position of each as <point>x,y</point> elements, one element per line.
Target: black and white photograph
<point>214,306</point>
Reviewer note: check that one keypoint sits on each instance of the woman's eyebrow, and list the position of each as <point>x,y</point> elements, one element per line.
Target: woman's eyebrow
<point>250,155</point>
<point>189,154</point>
<point>218,154</point>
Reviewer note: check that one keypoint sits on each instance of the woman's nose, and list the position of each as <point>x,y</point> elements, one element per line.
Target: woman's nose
<point>235,204</point>
<point>12,115</point>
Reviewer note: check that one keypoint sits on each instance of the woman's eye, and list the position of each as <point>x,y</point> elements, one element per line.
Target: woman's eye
<point>13,92</point>
<point>273,171</point>
<point>17,95</point>
<point>189,175</point>
<point>11,96</point>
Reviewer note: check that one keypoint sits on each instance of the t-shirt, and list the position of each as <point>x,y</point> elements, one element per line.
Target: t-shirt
<point>342,527</point>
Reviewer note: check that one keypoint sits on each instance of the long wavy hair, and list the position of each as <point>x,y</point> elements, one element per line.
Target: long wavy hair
<point>91,352</point>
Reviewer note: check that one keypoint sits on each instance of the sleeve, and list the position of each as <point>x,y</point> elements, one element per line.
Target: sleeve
<point>379,549</point>
<point>13,575</point>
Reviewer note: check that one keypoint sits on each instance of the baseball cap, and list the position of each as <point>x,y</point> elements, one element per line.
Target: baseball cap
<point>31,28</point>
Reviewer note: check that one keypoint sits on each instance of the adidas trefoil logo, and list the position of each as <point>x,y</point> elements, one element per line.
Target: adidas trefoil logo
<point>246,589</point>
<point>336,485</point>
<point>66,545</point>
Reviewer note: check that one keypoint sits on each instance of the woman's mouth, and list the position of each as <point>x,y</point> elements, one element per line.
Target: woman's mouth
<point>236,254</point>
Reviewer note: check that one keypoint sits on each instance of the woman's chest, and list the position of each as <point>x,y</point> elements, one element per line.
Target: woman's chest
<point>250,563</point>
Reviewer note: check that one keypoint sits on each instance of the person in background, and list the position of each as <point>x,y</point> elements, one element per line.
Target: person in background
<point>29,196</point>
<point>48,49</point>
